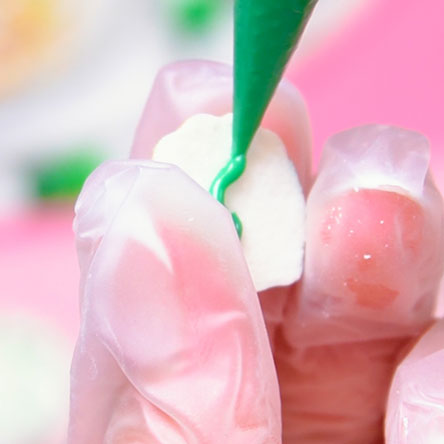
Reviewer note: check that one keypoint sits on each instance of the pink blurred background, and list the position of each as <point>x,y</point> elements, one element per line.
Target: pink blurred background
<point>386,66</point>
<point>361,61</point>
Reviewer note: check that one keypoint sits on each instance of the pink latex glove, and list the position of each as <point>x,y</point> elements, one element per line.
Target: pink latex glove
<point>173,347</point>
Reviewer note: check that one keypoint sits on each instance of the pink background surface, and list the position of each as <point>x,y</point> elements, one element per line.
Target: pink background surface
<point>386,67</point>
<point>38,268</point>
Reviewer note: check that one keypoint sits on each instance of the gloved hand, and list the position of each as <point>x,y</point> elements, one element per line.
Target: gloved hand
<point>173,347</point>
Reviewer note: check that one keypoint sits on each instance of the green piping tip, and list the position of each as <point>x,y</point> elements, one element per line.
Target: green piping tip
<point>266,33</point>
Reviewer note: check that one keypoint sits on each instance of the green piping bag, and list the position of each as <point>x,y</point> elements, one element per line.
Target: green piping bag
<point>266,33</point>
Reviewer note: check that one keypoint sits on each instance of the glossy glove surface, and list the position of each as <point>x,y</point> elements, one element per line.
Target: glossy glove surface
<point>173,348</point>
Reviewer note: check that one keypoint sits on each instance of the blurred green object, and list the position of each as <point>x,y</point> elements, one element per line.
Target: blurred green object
<point>63,176</point>
<point>195,16</point>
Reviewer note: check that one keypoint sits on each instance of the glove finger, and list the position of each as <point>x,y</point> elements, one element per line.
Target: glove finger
<point>375,240</point>
<point>373,261</point>
<point>172,346</point>
<point>415,409</point>
<point>185,88</point>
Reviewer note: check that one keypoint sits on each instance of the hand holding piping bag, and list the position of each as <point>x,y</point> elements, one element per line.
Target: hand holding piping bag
<point>173,347</point>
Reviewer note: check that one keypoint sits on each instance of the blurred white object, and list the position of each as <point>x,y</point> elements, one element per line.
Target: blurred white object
<point>34,382</point>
